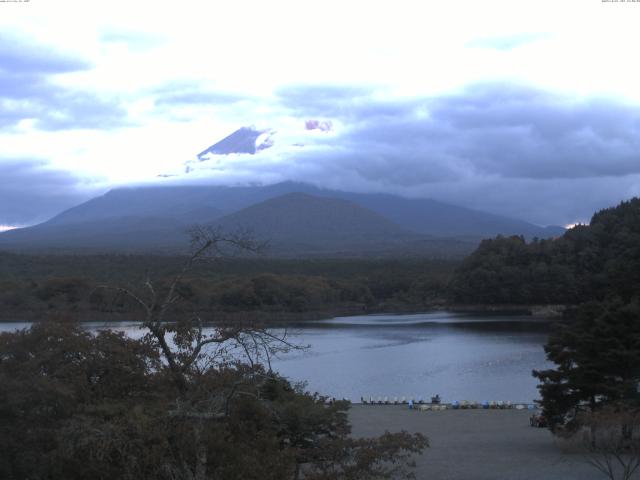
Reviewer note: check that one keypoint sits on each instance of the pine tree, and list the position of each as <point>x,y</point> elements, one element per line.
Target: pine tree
<point>598,362</point>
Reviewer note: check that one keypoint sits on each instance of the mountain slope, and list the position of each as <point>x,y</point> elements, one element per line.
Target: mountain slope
<point>318,222</point>
<point>420,215</point>
<point>156,217</point>
<point>130,233</point>
<point>430,217</point>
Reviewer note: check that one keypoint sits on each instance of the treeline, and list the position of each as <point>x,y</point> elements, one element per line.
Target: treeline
<point>589,262</point>
<point>34,285</point>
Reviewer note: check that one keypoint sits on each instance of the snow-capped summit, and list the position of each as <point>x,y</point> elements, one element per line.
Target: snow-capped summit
<point>244,140</point>
<point>240,146</point>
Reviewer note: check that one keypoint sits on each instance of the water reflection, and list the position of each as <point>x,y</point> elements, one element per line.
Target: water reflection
<point>459,356</point>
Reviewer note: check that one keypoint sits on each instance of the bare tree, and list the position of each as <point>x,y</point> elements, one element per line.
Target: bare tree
<point>610,438</point>
<point>185,345</point>
<point>191,351</point>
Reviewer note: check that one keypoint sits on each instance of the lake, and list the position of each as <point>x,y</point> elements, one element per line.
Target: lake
<point>458,356</point>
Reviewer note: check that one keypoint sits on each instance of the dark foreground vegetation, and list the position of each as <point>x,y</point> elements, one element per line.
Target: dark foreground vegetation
<point>591,397</point>
<point>32,286</point>
<point>177,403</point>
<point>77,406</point>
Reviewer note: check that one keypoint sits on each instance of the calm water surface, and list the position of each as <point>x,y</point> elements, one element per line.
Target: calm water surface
<point>459,356</point>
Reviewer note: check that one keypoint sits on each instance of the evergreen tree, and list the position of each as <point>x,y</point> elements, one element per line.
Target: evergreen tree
<point>599,261</point>
<point>598,362</point>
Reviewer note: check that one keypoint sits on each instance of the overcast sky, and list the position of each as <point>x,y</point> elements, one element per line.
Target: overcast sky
<point>524,108</point>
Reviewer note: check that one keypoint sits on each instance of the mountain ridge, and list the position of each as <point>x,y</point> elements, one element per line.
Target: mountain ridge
<point>166,210</point>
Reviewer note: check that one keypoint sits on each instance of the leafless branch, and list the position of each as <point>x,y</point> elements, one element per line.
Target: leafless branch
<point>609,440</point>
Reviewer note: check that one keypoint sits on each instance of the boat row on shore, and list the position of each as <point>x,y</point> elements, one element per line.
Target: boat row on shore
<point>436,404</point>
<point>474,405</point>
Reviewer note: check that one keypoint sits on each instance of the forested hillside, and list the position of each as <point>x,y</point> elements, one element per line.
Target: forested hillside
<point>589,262</point>
<point>32,286</point>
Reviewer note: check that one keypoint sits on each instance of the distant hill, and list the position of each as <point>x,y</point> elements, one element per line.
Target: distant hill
<point>190,202</point>
<point>126,234</point>
<point>430,217</point>
<point>302,221</point>
<point>156,218</point>
<point>187,204</point>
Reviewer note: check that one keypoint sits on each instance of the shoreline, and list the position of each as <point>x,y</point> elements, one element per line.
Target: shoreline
<point>550,312</point>
<point>459,405</point>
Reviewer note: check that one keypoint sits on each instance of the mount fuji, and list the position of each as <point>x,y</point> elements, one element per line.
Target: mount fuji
<point>298,218</point>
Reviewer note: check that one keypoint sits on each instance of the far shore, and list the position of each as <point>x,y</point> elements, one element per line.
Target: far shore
<point>539,311</point>
<point>477,444</point>
<point>283,317</point>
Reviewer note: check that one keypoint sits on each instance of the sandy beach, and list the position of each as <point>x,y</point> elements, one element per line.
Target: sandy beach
<point>476,444</point>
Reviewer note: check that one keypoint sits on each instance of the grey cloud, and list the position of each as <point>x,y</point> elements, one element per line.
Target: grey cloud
<point>72,109</point>
<point>27,90</point>
<point>193,94</point>
<point>19,86</point>
<point>501,130</point>
<point>557,201</point>
<point>507,42</point>
<point>55,108</point>
<point>324,100</point>
<point>134,40</point>
<point>31,192</point>
<point>21,56</point>
<point>525,133</point>
<point>553,201</point>
<point>508,149</point>
<point>171,98</point>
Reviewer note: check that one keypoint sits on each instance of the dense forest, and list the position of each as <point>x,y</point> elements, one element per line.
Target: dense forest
<point>589,262</point>
<point>35,285</point>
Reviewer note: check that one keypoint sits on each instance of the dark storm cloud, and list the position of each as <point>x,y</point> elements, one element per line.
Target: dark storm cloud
<point>509,132</point>
<point>509,149</point>
<point>31,192</point>
<point>28,92</point>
